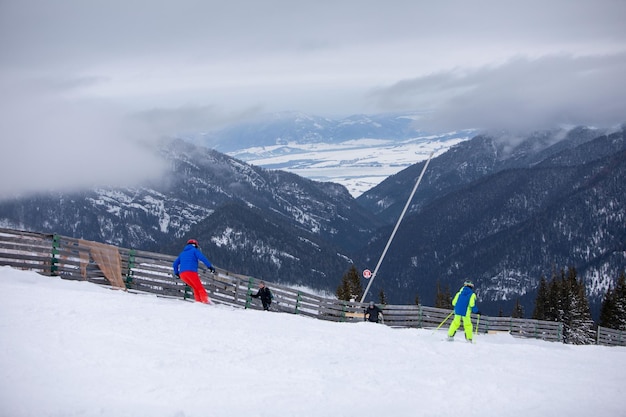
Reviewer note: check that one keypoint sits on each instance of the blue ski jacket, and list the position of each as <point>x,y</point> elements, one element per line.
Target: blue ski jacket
<point>188,260</point>
<point>464,302</point>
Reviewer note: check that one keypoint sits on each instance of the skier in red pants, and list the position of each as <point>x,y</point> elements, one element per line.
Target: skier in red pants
<point>186,268</point>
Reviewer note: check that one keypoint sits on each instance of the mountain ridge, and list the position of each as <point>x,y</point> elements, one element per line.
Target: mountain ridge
<point>509,228</point>
<point>200,184</point>
<point>358,151</point>
<point>486,208</point>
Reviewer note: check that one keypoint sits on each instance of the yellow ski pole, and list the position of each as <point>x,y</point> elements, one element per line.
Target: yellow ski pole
<point>444,320</point>
<point>477,322</point>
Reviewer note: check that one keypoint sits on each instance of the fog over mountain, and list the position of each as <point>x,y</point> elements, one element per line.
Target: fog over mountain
<point>77,77</point>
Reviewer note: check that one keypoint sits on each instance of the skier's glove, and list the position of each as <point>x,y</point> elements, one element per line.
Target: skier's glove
<point>177,276</point>
<point>212,269</point>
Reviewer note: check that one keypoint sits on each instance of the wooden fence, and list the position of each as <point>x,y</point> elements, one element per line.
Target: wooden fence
<point>610,337</point>
<point>140,271</point>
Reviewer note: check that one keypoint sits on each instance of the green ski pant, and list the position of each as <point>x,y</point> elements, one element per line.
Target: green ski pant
<point>467,326</point>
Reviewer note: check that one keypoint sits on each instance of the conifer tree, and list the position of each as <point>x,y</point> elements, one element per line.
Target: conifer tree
<point>443,298</point>
<point>577,322</point>
<point>382,298</point>
<point>541,302</point>
<point>518,311</point>
<point>608,310</point>
<point>350,286</point>
<point>564,300</point>
<point>620,303</point>
<point>554,310</point>
<point>565,292</point>
<point>613,310</point>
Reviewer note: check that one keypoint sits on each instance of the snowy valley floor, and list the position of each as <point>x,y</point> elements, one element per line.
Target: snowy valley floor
<point>75,349</point>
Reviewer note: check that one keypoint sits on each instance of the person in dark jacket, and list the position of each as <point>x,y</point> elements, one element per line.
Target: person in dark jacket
<point>186,268</point>
<point>464,304</point>
<point>265,294</point>
<point>372,312</point>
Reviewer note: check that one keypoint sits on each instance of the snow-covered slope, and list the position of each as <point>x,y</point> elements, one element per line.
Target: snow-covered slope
<point>357,164</point>
<point>75,349</point>
<point>358,151</point>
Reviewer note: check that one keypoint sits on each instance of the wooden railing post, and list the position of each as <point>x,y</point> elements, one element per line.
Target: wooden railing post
<point>420,316</point>
<point>237,283</point>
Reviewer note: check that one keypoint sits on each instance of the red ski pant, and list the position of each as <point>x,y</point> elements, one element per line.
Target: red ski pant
<point>192,279</point>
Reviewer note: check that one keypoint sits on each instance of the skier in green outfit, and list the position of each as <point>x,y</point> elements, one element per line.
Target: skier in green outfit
<point>464,304</point>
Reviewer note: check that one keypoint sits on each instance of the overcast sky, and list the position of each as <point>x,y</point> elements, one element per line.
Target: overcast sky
<point>85,78</point>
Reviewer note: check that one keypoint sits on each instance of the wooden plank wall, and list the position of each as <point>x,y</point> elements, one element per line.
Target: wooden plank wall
<point>610,337</point>
<point>62,256</point>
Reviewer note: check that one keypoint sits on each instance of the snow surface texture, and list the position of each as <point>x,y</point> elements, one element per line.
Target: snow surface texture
<point>76,349</point>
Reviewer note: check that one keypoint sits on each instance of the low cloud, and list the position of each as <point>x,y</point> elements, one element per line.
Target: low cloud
<point>53,143</point>
<point>190,119</point>
<point>521,94</point>
<point>87,87</point>
<point>55,140</point>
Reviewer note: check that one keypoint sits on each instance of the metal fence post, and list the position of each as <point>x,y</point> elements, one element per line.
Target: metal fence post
<point>298,299</point>
<point>129,271</point>
<point>249,293</point>
<point>54,255</point>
